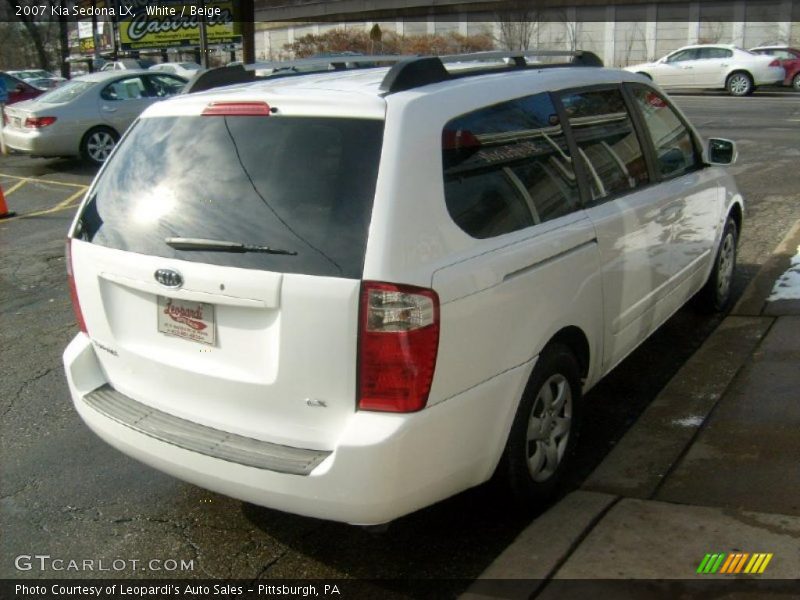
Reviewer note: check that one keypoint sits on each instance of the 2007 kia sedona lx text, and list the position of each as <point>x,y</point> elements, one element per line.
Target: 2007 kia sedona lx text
<point>354,293</point>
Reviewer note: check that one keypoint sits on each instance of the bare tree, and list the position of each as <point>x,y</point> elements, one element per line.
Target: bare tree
<point>33,30</point>
<point>518,24</point>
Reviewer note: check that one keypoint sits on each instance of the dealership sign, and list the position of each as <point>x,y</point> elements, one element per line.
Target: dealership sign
<point>176,23</point>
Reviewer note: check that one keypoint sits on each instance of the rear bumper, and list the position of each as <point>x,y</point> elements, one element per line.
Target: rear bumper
<point>40,142</point>
<point>770,76</point>
<point>384,465</point>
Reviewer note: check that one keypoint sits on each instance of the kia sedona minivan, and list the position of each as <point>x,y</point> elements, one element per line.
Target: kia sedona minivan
<point>354,293</point>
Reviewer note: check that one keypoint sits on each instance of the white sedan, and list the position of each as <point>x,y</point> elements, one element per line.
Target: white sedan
<point>717,66</point>
<point>87,115</point>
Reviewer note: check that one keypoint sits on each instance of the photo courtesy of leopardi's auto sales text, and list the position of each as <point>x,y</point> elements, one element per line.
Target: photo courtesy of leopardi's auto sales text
<point>398,299</point>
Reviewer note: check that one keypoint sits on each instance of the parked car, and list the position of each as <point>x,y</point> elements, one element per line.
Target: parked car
<point>713,66</point>
<point>19,90</point>
<point>184,69</point>
<point>44,80</point>
<point>790,61</point>
<point>352,294</point>
<point>127,64</point>
<point>86,115</point>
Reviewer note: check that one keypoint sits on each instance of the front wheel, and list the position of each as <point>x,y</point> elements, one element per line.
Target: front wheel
<point>716,294</point>
<point>97,145</point>
<point>544,430</point>
<point>796,83</point>
<point>740,84</point>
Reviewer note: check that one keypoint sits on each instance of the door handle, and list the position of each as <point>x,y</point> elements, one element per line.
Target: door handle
<point>109,109</point>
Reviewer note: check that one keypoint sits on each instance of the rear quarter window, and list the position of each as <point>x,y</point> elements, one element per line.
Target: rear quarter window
<point>300,184</point>
<point>507,167</point>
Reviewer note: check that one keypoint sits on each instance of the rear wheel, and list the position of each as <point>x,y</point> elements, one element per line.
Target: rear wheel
<point>796,83</point>
<point>544,430</point>
<point>739,84</point>
<point>716,294</point>
<point>97,145</point>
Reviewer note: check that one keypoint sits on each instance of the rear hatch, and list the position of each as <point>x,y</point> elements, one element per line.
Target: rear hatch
<point>217,263</point>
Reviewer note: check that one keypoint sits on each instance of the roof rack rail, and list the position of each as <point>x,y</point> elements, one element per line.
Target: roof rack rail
<point>219,76</point>
<point>408,71</point>
<point>239,73</point>
<point>336,61</point>
<point>414,72</point>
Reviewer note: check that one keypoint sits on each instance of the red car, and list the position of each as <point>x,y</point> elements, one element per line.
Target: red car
<point>790,61</point>
<point>18,90</point>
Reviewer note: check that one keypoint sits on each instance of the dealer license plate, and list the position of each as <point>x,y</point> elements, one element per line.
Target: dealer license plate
<point>187,319</point>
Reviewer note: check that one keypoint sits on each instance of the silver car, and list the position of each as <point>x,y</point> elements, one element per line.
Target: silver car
<point>87,115</point>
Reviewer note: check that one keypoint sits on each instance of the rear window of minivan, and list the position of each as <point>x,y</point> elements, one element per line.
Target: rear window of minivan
<point>299,184</point>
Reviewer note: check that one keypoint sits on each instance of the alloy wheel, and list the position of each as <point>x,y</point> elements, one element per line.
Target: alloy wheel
<point>727,260</point>
<point>739,84</point>
<point>99,146</point>
<point>549,427</point>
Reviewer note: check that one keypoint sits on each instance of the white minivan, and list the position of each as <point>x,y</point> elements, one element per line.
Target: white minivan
<point>354,293</point>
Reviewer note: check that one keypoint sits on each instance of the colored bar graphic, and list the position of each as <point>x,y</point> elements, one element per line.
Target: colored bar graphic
<point>765,563</point>
<point>734,563</point>
<point>740,564</point>
<point>727,564</point>
<point>703,563</point>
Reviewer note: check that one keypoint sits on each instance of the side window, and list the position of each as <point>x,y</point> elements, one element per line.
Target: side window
<point>165,85</point>
<point>690,54</point>
<point>675,148</point>
<point>131,88</point>
<point>714,53</point>
<point>607,142</point>
<point>507,167</point>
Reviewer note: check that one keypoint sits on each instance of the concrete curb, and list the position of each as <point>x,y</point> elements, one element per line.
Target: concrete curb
<point>542,547</point>
<point>649,450</point>
<point>754,298</point>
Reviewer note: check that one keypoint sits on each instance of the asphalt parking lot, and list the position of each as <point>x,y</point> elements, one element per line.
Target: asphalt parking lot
<point>65,493</point>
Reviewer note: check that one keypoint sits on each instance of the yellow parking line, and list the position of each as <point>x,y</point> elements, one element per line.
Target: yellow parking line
<point>51,181</point>
<point>60,206</point>
<point>15,187</point>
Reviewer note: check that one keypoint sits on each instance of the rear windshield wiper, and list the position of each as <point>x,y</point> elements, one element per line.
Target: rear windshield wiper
<point>183,243</point>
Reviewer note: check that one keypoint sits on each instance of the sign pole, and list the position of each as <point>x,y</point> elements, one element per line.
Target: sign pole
<point>3,148</point>
<point>203,36</point>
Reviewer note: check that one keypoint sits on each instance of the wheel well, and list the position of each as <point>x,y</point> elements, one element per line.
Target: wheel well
<point>736,214</point>
<point>574,338</point>
<point>95,128</point>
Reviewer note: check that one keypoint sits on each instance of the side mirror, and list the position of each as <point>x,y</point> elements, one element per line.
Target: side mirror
<point>721,152</point>
<point>19,88</point>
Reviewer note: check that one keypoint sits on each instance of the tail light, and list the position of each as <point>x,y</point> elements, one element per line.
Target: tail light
<point>73,291</point>
<point>398,343</point>
<point>775,63</point>
<point>39,122</point>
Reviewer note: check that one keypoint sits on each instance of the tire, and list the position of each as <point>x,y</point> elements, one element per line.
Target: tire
<point>739,84</point>
<point>796,83</point>
<point>97,144</point>
<point>543,434</point>
<point>716,293</point>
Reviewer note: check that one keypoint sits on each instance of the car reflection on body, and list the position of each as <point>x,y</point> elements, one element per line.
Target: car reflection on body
<point>87,115</point>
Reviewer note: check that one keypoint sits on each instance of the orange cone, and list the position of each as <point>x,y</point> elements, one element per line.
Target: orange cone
<point>4,212</point>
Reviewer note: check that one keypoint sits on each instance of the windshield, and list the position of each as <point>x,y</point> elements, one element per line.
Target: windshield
<point>31,74</point>
<point>300,184</point>
<point>66,92</point>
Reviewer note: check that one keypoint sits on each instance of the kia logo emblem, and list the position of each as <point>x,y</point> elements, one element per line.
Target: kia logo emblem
<point>169,278</point>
